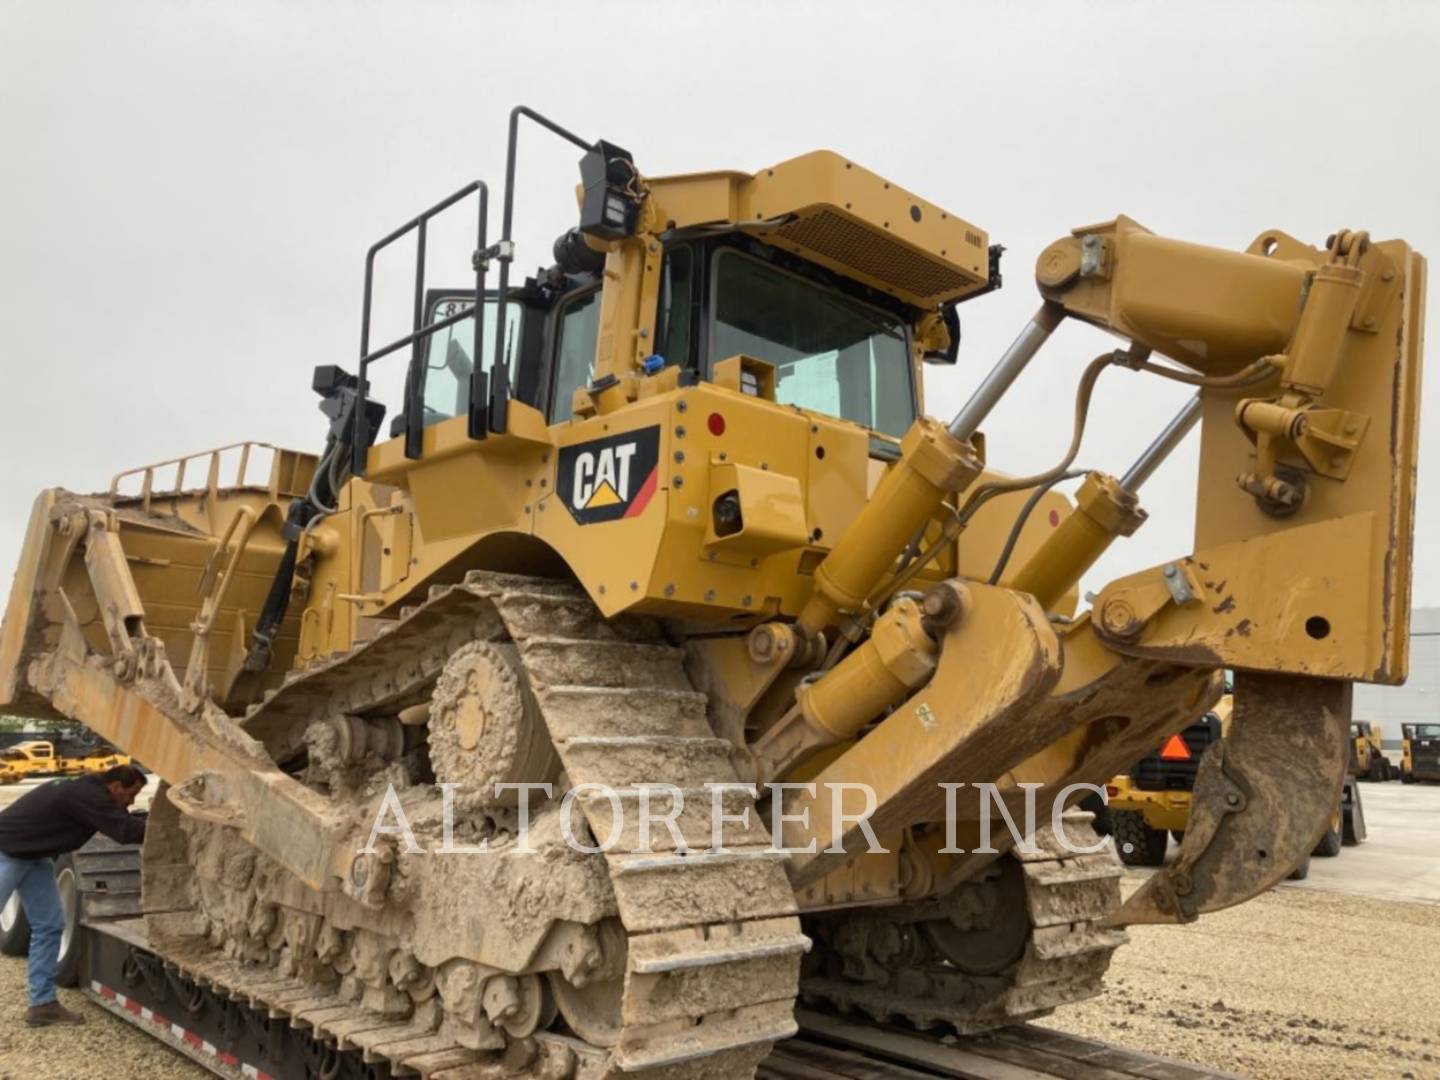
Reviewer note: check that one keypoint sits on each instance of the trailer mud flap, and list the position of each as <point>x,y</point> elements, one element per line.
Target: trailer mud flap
<point>1264,795</point>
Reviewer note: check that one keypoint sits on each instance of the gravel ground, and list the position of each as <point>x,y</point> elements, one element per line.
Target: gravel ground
<point>1295,983</point>
<point>103,1048</point>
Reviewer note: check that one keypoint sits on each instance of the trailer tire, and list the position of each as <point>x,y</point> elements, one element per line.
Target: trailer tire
<point>14,928</point>
<point>1406,777</point>
<point>67,884</point>
<point>1146,845</point>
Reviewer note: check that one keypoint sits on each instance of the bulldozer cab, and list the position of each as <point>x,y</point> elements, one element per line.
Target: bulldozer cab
<point>833,349</point>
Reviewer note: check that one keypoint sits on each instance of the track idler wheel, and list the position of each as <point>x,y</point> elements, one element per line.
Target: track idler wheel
<point>486,727</point>
<point>987,924</point>
<point>1264,796</point>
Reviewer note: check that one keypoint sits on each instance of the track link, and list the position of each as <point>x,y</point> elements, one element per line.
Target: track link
<point>714,944</point>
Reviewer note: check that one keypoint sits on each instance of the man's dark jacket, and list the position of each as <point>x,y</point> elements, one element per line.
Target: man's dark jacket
<point>59,817</point>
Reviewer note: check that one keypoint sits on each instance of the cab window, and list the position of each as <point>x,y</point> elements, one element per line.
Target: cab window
<point>675,322</point>
<point>832,354</point>
<point>449,358</point>
<point>577,323</point>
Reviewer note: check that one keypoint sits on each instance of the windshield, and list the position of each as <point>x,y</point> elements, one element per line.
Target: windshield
<point>448,354</point>
<point>1427,731</point>
<point>832,354</point>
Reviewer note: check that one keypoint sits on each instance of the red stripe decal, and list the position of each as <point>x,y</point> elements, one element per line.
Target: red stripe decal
<point>106,992</point>
<point>193,1039</point>
<point>644,495</point>
<point>158,1020</point>
<point>227,1058</point>
<point>131,1005</point>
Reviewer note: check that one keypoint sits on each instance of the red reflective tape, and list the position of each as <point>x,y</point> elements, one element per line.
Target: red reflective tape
<point>106,992</point>
<point>131,1005</point>
<point>193,1039</point>
<point>227,1058</point>
<point>159,1020</point>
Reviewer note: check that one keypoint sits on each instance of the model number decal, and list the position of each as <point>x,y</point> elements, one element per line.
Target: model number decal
<point>610,478</point>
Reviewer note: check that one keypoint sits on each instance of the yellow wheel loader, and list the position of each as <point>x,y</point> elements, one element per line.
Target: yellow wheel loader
<point>661,659</point>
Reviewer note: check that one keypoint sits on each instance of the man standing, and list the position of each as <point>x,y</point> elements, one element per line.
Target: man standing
<point>52,820</point>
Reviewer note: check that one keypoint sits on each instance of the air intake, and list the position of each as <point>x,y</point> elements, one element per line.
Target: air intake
<point>850,244</point>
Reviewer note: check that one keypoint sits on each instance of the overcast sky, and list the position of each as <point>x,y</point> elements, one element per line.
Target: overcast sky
<point>189,189</point>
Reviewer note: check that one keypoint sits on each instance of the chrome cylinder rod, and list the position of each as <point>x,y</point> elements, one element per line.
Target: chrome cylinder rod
<point>968,420</point>
<point>1173,435</point>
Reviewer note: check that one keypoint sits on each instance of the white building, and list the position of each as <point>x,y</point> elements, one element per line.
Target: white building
<point>1418,701</point>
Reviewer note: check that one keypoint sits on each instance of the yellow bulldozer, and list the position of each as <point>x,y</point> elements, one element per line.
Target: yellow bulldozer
<point>662,536</point>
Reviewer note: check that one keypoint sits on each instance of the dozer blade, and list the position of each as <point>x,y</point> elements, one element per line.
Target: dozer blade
<point>1264,795</point>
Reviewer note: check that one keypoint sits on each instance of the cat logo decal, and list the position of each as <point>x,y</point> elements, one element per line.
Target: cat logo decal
<point>610,478</point>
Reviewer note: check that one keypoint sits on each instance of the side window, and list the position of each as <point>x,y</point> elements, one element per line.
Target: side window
<point>577,325</point>
<point>449,360</point>
<point>675,321</point>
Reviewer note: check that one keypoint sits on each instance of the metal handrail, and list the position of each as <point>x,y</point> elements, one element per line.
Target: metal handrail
<point>212,473</point>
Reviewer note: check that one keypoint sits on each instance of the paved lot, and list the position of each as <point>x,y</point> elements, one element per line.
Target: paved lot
<point>1400,860</point>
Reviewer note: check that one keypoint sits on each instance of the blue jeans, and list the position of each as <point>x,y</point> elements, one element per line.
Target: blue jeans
<point>34,880</point>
